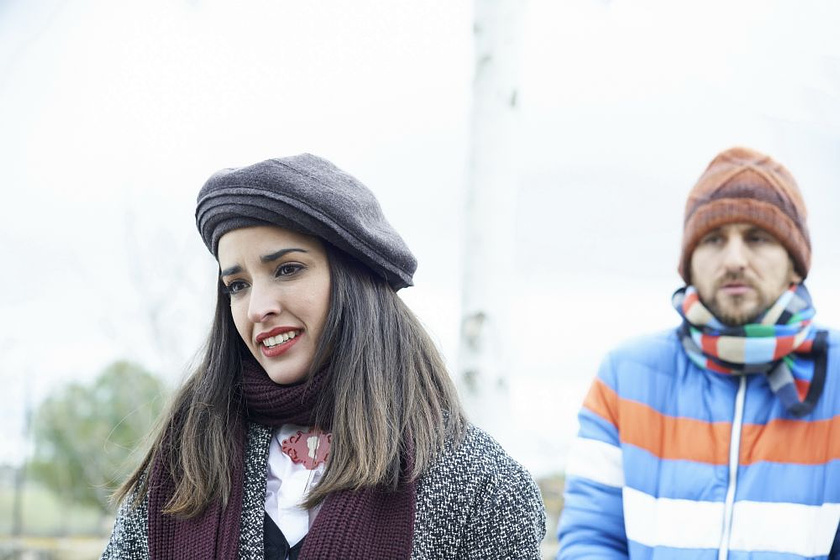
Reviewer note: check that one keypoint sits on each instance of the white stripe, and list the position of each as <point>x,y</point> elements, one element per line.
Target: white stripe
<point>675,523</point>
<point>596,460</point>
<point>756,526</point>
<point>791,528</point>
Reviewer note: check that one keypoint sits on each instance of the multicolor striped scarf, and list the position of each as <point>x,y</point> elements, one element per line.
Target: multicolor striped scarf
<point>782,344</point>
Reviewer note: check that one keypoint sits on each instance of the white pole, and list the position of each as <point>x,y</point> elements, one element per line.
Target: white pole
<point>490,259</point>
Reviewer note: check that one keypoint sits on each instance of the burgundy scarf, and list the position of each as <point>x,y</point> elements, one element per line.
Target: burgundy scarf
<point>354,525</point>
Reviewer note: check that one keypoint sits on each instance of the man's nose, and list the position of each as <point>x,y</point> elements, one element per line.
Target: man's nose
<point>735,254</point>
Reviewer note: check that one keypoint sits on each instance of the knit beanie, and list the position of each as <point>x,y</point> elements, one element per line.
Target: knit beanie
<point>306,194</point>
<point>742,185</point>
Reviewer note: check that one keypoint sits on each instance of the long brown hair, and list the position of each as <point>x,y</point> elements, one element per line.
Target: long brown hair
<point>388,391</point>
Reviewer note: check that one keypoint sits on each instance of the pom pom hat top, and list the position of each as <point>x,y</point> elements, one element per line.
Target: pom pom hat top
<point>742,185</point>
<point>306,194</point>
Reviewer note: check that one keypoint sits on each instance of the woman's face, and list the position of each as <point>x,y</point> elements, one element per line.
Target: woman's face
<point>279,287</point>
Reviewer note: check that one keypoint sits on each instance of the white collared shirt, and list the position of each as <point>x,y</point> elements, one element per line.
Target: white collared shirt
<point>287,485</point>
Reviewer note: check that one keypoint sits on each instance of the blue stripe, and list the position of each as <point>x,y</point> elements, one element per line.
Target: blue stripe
<point>662,478</point>
<point>657,370</point>
<point>593,426</point>
<point>811,485</point>
<point>741,555</point>
<point>762,406</point>
<point>592,521</point>
<point>642,552</point>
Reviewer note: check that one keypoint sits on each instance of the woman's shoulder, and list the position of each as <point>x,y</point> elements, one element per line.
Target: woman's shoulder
<point>478,454</point>
<point>129,538</point>
<point>478,502</point>
<point>477,463</point>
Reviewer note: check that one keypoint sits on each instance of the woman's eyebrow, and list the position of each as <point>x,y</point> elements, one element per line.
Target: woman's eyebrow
<point>236,269</point>
<point>280,254</point>
<point>231,271</point>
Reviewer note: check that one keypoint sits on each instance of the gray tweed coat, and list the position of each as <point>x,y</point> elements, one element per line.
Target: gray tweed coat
<point>474,503</point>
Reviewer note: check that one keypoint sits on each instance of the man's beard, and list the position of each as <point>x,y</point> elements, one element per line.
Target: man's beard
<point>733,314</point>
<point>736,319</point>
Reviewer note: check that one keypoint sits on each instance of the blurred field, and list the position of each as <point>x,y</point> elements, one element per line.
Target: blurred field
<point>551,488</point>
<point>51,530</point>
<point>47,548</point>
<point>44,515</point>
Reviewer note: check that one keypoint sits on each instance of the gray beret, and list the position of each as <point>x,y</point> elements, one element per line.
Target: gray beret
<point>310,195</point>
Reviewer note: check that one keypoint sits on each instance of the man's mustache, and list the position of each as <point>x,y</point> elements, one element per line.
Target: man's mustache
<point>735,278</point>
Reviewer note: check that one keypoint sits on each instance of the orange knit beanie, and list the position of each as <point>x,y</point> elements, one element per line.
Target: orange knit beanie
<point>742,185</point>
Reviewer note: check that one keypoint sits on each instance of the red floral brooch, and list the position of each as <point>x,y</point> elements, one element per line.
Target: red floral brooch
<point>309,449</point>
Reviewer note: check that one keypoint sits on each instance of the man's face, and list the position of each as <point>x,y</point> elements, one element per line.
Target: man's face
<point>739,271</point>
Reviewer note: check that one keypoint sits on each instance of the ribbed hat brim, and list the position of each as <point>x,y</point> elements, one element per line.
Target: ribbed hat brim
<point>309,195</point>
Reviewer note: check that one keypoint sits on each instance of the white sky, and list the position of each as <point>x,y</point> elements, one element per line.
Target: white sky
<point>112,115</point>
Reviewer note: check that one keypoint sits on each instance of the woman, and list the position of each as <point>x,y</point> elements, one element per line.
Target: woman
<point>321,423</point>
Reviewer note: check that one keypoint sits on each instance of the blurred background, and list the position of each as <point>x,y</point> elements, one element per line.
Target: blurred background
<point>113,114</point>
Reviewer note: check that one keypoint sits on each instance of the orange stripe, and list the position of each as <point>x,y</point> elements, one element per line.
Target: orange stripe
<point>791,441</point>
<point>603,401</point>
<point>677,438</point>
<point>668,437</point>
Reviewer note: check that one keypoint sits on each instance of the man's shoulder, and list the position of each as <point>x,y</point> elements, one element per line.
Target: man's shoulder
<point>647,348</point>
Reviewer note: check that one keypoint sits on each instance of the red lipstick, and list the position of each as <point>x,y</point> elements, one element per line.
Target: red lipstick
<point>274,332</point>
<point>281,348</point>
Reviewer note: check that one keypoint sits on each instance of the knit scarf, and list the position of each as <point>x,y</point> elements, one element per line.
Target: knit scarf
<point>354,525</point>
<point>782,344</point>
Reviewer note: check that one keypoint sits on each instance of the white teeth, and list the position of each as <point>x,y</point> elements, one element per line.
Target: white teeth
<point>280,338</point>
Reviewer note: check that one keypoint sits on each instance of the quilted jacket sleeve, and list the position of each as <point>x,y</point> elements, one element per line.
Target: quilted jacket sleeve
<point>592,522</point>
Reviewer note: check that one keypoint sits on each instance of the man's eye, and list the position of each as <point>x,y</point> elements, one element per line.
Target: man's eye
<point>235,287</point>
<point>288,269</point>
<point>712,239</point>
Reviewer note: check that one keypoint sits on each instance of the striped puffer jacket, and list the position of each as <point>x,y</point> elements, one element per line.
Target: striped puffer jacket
<point>677,462</point>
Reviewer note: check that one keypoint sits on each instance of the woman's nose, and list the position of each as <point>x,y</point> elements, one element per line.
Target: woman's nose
<point>264,303</point>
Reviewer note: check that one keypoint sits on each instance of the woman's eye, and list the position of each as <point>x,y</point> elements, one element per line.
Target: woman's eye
<point>288,269</point>
<point>235,287</point>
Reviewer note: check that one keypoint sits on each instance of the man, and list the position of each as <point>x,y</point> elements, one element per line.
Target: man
<point>719,439</point>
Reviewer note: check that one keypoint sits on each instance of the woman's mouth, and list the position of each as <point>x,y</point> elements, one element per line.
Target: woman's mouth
<point>273,341</point>
<point>278,341</point>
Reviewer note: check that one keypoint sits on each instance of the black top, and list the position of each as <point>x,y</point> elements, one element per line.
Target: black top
<point>276,545</point>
